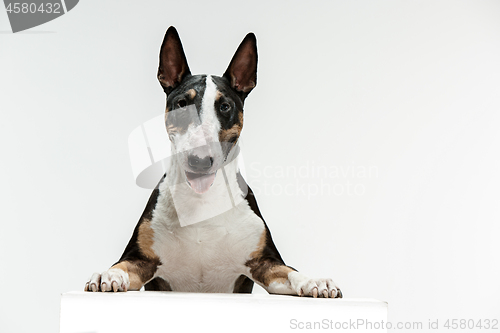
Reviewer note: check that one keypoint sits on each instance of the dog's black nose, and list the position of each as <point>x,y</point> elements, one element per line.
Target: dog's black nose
<point>200,164</point>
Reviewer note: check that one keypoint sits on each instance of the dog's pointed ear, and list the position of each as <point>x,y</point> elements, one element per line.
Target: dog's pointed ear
<point>242,71</point>
<point>173,63</point>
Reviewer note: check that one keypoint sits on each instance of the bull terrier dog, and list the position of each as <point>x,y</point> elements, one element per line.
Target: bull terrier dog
<point>230,247</point>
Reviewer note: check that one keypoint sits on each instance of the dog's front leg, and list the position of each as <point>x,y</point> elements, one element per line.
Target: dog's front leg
<point>277,278</point>
<point>123,276</point>
<point>268,269</point>
<point>137,265</point>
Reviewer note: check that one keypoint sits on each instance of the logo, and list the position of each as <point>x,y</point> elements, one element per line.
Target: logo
<point>32,13</point>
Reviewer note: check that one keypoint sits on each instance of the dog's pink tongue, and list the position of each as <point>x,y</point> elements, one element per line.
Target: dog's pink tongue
<point>200,184</point>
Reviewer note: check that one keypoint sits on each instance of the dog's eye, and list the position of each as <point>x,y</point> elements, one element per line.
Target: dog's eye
<point>224,108</point>
<point>182,103</point>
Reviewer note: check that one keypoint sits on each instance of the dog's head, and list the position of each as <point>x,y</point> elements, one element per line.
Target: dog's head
<point>204,113</point>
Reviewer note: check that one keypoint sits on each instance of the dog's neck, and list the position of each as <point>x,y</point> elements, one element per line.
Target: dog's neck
<point>190,207</point>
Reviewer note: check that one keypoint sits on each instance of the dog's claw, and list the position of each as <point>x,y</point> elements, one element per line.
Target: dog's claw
<point>317,288</point>
<point>113,280</point>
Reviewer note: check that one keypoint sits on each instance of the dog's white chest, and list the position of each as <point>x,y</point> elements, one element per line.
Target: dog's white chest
<point>207,256</point>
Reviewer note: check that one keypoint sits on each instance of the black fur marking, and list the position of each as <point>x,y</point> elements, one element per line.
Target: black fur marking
<point>158,284</point>
<point>270,250</point>
<point>243,285</point>
<point>132,251</point>
<point>230,96</point>
<point>146,266</point>
<point>269,257</point>
<point>196,82</point>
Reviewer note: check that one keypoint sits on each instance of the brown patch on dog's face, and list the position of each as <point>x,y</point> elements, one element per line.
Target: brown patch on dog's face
<point>191,93</point>
<point>233,133</point>
<point>218,95</point>
<point>183,105</point>
<point>180,118</point>
<point>172,125</point>
<point>229,108</point>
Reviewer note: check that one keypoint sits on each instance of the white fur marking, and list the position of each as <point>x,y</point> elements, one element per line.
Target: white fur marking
<point>210,255</point>
<point>202,137</point>
<point>105,281</point>
<point>209,119</point>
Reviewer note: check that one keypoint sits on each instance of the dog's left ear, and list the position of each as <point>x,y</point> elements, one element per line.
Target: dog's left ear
<point>242,71</point>
<point>173,66</point>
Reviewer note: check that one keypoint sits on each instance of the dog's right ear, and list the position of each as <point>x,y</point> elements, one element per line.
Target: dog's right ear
<point>173,66</point>
<point>242,71</point>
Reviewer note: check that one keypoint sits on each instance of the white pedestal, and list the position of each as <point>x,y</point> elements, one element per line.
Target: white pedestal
<point>147,312</point>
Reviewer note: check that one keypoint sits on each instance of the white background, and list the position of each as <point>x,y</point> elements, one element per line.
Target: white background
<point>410,89</point>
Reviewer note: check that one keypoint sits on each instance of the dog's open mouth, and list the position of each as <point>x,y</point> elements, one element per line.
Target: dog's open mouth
<point>199,182</point>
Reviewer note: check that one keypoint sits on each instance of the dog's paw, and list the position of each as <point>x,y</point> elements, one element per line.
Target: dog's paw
<point>113,279</point>
<point>305,286</point>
